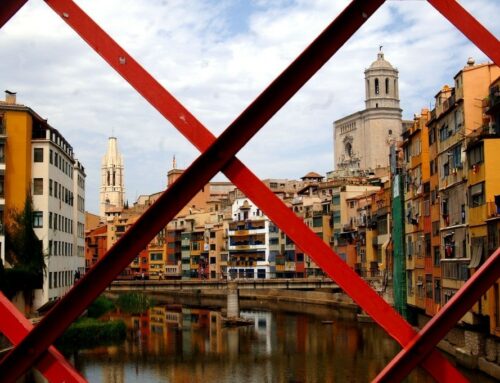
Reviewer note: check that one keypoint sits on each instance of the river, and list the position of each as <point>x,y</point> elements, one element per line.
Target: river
<point>173,342</point>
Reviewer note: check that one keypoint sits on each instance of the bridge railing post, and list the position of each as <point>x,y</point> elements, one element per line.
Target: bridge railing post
<point>233,304</point>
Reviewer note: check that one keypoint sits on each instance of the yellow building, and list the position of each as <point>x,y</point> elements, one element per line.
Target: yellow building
<point>483,182</point>
<point>416,155</point>
<point>36,160</point>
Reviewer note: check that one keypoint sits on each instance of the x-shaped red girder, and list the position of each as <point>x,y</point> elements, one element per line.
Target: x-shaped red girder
<point>219,155</point>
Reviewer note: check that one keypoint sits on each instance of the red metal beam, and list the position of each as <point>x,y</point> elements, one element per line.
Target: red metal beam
<point>9,8</point>
<point>416,351</point>
<point>52,364</point>
<point>192,129</point>
<point>215,157</point>
<point>470,27</point>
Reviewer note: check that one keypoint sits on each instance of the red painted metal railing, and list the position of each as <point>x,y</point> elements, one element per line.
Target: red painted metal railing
<point>219,155</point>
<point>52,364</point>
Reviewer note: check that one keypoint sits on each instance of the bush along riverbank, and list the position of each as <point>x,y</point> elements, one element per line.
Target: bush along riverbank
<point>88,331</point>
<point>91,332</point>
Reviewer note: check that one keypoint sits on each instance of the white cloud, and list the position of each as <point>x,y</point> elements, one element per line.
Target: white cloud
<point>216,57</point>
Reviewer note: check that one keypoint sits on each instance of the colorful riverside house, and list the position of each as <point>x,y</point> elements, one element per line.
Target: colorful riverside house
<point>483,185</point>
<point>433,306</point>
<point>344,233</point>
<point>359,212</point>
<point>417,209</point>
<point>314,210</point>
<point>194,256</point>
<point>216,245</point>
<point>493,204</point>
<point>157,260</point>
<point>95,245</point>
<point>375,221</point>
<point>248,242</point>
<point>458,117</point>
<point>173,253</point>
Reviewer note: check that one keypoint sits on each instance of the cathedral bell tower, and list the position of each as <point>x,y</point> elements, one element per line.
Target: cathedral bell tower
<point>112,193</point>
<point>361,139</point>
<point>381,84</point>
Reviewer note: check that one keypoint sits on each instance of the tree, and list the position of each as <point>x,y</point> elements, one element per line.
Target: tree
<point>24,252</point>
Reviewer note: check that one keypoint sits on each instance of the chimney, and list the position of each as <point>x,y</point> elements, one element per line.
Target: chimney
<point>10,97</point>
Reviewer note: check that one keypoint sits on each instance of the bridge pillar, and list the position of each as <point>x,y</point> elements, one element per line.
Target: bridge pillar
<point>233,304</point>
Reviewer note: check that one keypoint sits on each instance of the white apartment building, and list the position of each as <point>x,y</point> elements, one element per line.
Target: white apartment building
<point>58,190</point>
<point>248,242</point>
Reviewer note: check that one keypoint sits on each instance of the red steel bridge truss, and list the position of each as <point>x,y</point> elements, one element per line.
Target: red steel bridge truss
<point>33,345</point>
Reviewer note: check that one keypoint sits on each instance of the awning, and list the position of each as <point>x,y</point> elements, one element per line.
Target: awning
<point>477,255</point>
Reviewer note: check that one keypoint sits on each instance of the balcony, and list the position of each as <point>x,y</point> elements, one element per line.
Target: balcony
<point>456,269</point>
<point>247,246</point>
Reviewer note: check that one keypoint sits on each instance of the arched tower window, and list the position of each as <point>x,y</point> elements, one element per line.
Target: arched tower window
<point>386,86</point>
<point>108,177</point>
<point>367,88</point>
<point>395,88</point>
<point>114,178</point>
<point>377,87</point>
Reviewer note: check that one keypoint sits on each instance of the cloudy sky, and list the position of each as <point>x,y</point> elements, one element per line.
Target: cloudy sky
<point>215,57</point>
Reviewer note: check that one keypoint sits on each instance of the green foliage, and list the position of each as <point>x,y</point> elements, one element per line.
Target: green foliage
<point>90,332</point>
<point>24,251</point>
<point>134,303</point>
<point>100,307</point>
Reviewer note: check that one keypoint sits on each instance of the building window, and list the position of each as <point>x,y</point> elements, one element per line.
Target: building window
<point>38,219</point>
<point>432,136</point>
<point>437,291</point>
<point>428,286</point>
<point>456,157</point>
<point>51,156</point>
<point>386,86</point>
<point>444,133</point>
<point>38,186</point>
<point>446,169</point>
<point>476,193</point>
<point>38,154</point>
<point>377,86</point>
<point>436,256</point>
<point>476,156</point>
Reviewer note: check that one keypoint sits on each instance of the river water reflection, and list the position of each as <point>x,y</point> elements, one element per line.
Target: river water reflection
<point>287,343</point>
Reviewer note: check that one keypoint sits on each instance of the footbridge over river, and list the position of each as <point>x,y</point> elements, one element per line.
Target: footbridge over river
<point>240,284</point>
<point>229,288</point>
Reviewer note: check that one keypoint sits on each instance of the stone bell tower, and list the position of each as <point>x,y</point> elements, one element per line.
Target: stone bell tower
<point>112,192</point>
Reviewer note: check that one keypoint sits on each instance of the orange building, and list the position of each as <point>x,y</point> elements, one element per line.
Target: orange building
<point>96,245</point>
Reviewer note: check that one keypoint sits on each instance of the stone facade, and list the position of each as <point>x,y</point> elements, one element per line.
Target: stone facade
<point>362,139</point>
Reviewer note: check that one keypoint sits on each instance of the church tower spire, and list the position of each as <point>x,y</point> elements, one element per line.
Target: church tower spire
<point>112,193</point>
<point>381,84</point>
